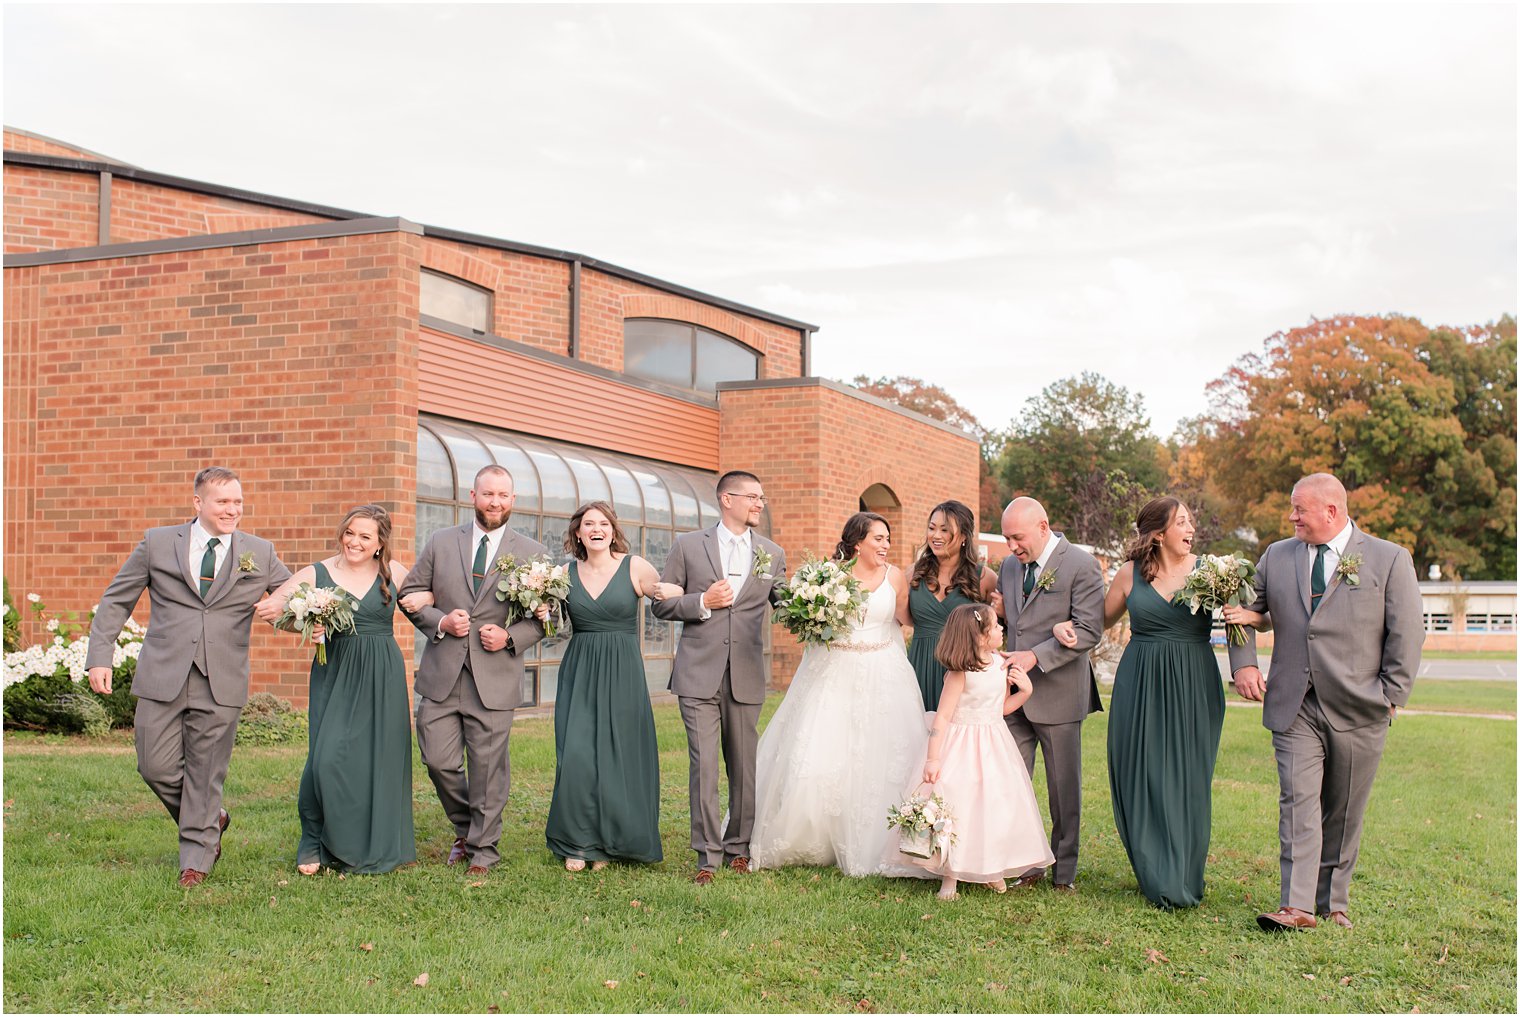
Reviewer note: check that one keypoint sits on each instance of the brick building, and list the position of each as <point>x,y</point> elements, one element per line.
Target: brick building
<point>154,325</point>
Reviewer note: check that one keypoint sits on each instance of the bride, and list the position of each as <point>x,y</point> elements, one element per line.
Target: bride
<point>842,744</point>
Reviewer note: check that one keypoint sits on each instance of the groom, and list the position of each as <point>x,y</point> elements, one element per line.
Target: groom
<point>1345,607</point>
<point>719,675</point>
<point>471,677</point>
<point>1048,580</point>
<point>205,581</point>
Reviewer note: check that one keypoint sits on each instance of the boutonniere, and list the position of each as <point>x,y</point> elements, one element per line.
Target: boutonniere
<point>1347,569</point>
<point>245,562</point>
<point>1046,580</point>
<point>506,563</point>
<point>763,562</point>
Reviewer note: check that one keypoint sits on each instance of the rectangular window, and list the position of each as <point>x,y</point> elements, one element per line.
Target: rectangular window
<point>1437,622</point>
<point>455,300</point>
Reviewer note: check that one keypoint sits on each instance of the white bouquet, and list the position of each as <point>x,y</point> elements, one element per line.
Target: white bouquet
<point>1218,580</point>
<point>527,585</point>
<point>819,601</point>
<point>924,823</point>
<point>309,606</point>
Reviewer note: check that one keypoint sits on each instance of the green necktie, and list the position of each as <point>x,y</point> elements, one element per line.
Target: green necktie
<point>208,566</point>
<point>478,571</point>
<point>1029,572</point>
<point>1317,580</point>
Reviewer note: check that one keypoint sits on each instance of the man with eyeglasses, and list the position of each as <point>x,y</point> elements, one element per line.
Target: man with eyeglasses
<point>719,675</point>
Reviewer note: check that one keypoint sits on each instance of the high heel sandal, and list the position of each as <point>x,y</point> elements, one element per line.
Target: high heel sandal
<point>309,868</point>
<point>598,866</point>
<point>574,864</point>
<point>997,886</point>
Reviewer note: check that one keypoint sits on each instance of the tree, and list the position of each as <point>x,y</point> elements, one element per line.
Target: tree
<point>1380,402</point>
<point>921,397</point>
<point>1084,449</point>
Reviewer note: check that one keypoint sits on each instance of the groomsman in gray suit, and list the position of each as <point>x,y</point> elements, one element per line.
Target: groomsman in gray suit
<point>471,677</point>
<point>719,674</point>
<point>205,580</point>
<point>1346,610</point>
<point>1048,580</point>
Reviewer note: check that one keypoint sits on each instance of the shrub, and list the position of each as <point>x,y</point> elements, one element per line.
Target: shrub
<point>270,720</point>
<point>12,619</point>
<point>45,684</point>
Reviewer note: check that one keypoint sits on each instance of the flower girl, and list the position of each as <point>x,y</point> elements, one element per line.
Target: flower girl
<point>974,765</point>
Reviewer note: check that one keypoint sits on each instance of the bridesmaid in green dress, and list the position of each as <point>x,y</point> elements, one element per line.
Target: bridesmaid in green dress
<point>946,575</point>
<point>1167,712</point>
<point>355,799</point>
<point>606,802</point>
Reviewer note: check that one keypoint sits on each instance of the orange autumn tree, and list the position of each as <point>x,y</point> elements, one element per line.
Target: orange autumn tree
<point>1373,400</point>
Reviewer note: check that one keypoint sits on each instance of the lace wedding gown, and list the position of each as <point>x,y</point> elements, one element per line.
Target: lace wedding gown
<point>839,750</point>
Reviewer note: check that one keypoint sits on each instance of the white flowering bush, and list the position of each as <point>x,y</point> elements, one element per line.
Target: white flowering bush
<point>45,684</point>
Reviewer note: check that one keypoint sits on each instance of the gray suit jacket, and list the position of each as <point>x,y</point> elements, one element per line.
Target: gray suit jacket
<point>182,628</point>
<point>1361,647</point>
<point>444,568</point>
<point>1065,686</point>
<point>734,637</point>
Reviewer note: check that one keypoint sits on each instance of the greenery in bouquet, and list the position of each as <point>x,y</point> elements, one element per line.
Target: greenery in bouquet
<point>527,585</point>
<point>331,607</point>
<point>820,600</point>
<point>1217,581</point>
<point>920,813</point>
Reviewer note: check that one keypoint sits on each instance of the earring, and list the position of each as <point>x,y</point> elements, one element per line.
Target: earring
<point>377,554</point>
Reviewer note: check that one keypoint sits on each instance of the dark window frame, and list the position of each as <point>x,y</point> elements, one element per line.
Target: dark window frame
<point>692,331</point>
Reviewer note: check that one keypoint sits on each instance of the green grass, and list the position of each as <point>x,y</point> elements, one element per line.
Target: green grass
<point>1467,654</point>
<point>1463,696</point>
<point>93,920</point>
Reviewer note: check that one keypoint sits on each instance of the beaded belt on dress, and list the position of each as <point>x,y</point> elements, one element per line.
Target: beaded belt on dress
<point>861,647</point>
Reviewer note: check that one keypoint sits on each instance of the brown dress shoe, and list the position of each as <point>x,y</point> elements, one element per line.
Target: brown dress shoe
<point>477,870</point>
<point>191,877</point>
<point>1340,918</point>
<point>1286,918</point>
<point>223,820</point>
<point>703,877</point>
<point>1028,879</point>
<point>739,865</point>
<point>457,852</point>
<point>1065,887</point>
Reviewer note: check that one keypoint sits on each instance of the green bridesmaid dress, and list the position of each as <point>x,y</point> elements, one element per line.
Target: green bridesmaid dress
<point>606,802</point>
<point>1163,737</point>
<point>929,614</point>
<point>355,800</point>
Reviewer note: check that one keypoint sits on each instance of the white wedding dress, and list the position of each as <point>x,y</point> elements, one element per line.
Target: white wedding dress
<point>839,751</point>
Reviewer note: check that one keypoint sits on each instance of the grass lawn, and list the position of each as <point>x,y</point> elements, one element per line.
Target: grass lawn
<point>94,922</point>
<point>1463,696</point>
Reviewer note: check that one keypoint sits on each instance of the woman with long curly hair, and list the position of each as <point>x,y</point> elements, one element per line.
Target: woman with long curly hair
<point>1167,711</point>
<point>946,575</point>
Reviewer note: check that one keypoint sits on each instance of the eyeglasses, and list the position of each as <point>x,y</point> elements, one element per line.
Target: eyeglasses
<point>758,499</point>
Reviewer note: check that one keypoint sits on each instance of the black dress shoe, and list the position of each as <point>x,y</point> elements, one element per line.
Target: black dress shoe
<point>1028,879</point>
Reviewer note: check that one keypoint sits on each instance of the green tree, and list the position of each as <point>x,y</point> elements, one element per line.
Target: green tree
<point>1386,405</point>
<point>1083,448</point>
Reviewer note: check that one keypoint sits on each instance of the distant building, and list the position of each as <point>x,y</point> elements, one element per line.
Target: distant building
<point>154,325</point>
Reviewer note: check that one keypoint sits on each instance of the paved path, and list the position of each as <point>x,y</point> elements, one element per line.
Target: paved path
<point>1446,670</point>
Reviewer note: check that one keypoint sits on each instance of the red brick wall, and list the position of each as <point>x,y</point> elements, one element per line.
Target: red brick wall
<point>47,210</point>
<point>142,211</point>
<point>817,449</point>
<point>532,303</point>
<point>20,141</point>
<point>293,363</point>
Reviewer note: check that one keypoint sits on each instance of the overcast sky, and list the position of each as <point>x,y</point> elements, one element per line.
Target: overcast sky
<point>988,197</point>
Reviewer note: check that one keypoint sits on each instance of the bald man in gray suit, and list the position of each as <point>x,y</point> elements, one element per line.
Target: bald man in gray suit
<point>1044,581</point>
<point>1345,607</point>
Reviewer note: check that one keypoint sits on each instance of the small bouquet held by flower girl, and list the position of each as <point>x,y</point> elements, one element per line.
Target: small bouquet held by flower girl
<point>309,606</point>
<point>1216,581</point>
<point>924,823</point>
<point>526,585</point>
<point>819,601</point>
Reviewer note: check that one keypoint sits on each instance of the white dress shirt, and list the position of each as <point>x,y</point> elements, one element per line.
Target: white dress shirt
<point>736,558</point>
<point>1334,550</point>
<point>1044,558</point>
<point>199,538</point>
<point>493,543</point>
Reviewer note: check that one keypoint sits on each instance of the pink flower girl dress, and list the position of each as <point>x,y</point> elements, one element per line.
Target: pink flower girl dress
<point>1000,833</point>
